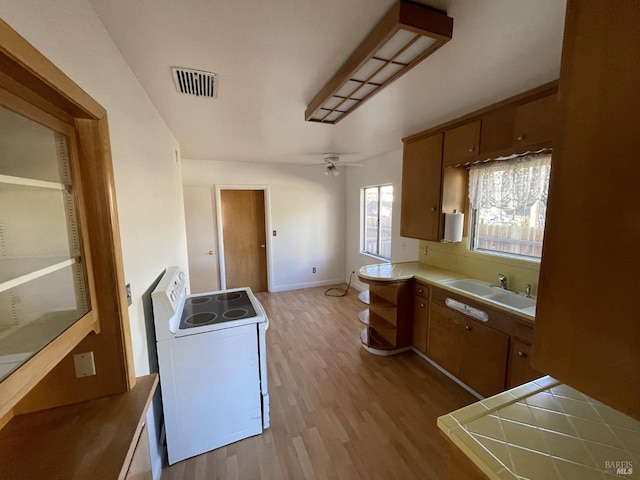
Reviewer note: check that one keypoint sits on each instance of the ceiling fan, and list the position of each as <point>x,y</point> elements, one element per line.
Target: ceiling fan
<point>331,162</point>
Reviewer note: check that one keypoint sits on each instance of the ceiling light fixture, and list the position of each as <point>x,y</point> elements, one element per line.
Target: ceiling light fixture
<point>332,171</point>
<point>405,36</point>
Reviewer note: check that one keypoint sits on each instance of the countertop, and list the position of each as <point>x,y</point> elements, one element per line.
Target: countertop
<point>545,430</point>
<point>95,439</point>
<point>432,275</point>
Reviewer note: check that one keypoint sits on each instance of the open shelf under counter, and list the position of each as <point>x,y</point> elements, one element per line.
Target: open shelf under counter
<point>370,319</point>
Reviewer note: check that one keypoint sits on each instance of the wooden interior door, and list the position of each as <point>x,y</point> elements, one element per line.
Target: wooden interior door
<point>244,239</point>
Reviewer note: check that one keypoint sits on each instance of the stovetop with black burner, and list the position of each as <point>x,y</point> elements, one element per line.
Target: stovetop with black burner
<point>220,307</point>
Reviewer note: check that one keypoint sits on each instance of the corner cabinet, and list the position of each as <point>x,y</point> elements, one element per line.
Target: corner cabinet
<point>589,338</point>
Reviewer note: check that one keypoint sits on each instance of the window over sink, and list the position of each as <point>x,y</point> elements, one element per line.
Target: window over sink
<point>375,224</point>
<point>508,200</point>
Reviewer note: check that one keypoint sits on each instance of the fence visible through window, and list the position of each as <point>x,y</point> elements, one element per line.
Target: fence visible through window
<point>376,235</point>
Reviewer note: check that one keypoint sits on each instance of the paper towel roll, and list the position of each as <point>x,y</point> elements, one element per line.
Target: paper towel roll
<point>453,225</point>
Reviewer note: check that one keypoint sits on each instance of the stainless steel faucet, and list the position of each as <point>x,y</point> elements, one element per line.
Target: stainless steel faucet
<point>503,281</point>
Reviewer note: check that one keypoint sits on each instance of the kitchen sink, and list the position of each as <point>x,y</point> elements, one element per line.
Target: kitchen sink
<point>469,285</point>
<point>513,300</point>
<point>494,294</point>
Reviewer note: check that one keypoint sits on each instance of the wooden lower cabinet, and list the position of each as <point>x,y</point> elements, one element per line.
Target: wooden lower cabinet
<point>484,353</point>
<point>520,369</point>
<point>473,352</point>
<point>444,342</point>
<point>460,467</point>
<point>420,317</point>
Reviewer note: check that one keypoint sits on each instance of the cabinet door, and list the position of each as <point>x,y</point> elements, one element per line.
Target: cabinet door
<point>497,129</point>
<point>484,354</point>
<point>590,341</point>
<point>421,181</point>
<point>461,144</point>
<point>536,122</point>
<point>520,369</point>
<point>444,347</point>
<point>420,323</point>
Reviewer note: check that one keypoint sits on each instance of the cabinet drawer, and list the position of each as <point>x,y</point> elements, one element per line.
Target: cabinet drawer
<point>420,323</point>
<point>523,332</point>
<point>520,369</point>
<point>421,290</point>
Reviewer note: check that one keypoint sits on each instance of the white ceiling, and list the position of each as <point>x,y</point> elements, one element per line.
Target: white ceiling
<point>273,56</point>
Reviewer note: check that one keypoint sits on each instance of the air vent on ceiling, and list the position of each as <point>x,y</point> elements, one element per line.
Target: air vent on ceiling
<point>195,82</point>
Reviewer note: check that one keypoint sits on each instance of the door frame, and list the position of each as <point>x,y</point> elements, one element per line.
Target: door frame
<point>267,227</point>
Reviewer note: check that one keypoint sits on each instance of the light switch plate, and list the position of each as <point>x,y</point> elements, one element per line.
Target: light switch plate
<point>85,365</point>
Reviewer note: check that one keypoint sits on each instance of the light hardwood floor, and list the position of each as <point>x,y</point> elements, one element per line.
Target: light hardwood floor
<point>336,410</point>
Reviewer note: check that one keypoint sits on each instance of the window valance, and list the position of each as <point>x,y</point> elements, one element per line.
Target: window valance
<point>514,183</point>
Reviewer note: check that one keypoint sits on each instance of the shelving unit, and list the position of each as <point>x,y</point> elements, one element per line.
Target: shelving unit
<point>388,318</point>
<point>42,276</point>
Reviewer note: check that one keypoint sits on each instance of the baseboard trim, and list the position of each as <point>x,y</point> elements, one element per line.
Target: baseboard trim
<point>299,286</point>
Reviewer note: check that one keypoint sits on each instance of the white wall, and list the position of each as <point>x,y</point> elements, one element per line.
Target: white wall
<point>148,182</point>
<point>379,170</point>
<point>307,210</point>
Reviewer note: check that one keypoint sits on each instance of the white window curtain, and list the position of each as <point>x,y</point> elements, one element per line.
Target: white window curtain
<point>513,184</point>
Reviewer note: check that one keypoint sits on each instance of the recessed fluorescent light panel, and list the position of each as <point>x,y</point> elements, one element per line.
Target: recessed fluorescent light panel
<point>405,36</point>
<point>195,82</point>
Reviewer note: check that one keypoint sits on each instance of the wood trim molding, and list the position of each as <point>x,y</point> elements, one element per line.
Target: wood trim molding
<point>33,86</point>
<point>33,70</point>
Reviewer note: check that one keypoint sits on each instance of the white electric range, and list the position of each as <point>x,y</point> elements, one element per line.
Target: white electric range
<point>213,365</point>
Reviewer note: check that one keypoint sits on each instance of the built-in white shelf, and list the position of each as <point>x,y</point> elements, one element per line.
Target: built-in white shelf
<point>8,180</point>
<point>17,271</point>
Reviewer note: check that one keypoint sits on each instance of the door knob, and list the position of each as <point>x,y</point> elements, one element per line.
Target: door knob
<point>261,246</point>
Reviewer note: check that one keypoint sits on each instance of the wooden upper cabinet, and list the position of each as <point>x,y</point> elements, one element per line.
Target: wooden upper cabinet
<point>535,122</point>
<point>461,144</point>
<point>591,341</point>
<point>421,183</point>
<point>497,129</point>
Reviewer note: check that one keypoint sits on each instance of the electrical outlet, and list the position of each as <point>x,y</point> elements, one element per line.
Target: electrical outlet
<point>275,234</point>
<point>425,250</point>
<point>84,364</point>
<point>129,299</point>
<point>314,270</point>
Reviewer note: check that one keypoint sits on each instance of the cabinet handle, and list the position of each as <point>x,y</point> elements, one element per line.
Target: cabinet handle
<point>422,305</point>
<point>522,354</point>
<point>420,290</point>
<point>433,209</point>
<point>471,149</point>
<point>520,137</point>
<point>468,328</point>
